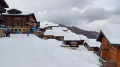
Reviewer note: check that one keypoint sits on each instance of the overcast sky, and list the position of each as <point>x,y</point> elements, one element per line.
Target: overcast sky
<point>85,14</point>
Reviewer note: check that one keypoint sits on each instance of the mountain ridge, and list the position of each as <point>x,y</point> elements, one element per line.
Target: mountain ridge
<point>89,34</point>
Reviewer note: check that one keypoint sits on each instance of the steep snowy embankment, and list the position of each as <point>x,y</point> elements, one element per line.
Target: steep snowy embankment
<point>23,51</point>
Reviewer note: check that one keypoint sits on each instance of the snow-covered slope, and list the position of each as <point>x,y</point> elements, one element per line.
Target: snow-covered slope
<point>23,51</point>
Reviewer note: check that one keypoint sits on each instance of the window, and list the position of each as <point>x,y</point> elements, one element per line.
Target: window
<point>18,18</point>
<point>12,30</point>
<point>18,24</point>
<point>15,29</point>
<point>27,25</point>
<point>74,43</point>
<point>19,29</point>
<point>61,38</point>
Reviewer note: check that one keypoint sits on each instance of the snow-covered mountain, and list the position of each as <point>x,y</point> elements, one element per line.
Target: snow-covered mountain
<point>89,34</point>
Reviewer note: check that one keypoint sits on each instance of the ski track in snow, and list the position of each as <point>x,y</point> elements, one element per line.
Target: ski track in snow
<point>23,51</point>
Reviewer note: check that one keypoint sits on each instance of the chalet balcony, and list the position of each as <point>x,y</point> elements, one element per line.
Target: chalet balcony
<point>2,9</point>
<point>3,18</point>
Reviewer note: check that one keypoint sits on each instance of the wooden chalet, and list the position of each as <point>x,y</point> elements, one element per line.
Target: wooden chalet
<point>92,45</point>
<point>72,40</point>
<point>110,47</point>
<point>55,33</point>
<point>3,5</point>
<point>60,38</point>
<point>16,21</point>
<point>49,34</point>
<point>47,26</point>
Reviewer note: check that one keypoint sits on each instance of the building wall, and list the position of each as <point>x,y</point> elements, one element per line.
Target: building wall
<point>18,22</point>
<point>12,21</point>
<point>22,30</point>
<point>48,37</point>
<point>59,38</point>
<point>110,53</point>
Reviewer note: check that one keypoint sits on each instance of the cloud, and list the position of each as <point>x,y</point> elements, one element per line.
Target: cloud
<point>42,13</point>
<point>98,24</point>
<point>85,14</point>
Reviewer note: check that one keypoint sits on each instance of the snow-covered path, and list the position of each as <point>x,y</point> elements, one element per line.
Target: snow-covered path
<point>23,51</point>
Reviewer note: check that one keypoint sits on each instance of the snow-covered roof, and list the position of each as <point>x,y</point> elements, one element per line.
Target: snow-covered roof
<point>23,12</point>
<point>58,31</point>
<point>82,37</point>
<point>93,43</point>
<point>14,14</point>
<point>59,28</point>
<point>55,31</point>
<point>71,37</point>
<point>68,36</point>
<point>8,9</point>
<point>48,24</point>
<point>112,33</point>
<point>49,32</point>
<point>64,28</point>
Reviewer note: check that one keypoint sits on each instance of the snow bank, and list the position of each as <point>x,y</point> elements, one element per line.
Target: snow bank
<point>23,51</point>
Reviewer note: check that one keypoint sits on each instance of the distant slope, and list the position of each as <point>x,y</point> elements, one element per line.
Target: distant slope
<point>89,34</point>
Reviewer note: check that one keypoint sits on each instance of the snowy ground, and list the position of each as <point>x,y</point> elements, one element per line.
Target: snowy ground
<point>23,51</point>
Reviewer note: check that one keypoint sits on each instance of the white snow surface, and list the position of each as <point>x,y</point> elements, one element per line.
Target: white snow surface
<point>23,51</point>
<point>112,33</point>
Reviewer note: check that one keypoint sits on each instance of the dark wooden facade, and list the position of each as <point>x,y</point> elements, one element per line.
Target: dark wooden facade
<point>48,36</point>
<point>60,38</point>
<point>108,51</point>
<point>3,5</point>
<point>20,22</point>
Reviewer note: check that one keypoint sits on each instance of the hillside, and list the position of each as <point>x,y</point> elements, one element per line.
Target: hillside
<point>89,34</point>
